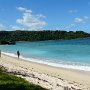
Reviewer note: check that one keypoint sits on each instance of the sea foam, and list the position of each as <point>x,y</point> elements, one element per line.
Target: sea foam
<point>73,66</point>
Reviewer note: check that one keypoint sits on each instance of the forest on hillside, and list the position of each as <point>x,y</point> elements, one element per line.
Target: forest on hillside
<point>41,35</point>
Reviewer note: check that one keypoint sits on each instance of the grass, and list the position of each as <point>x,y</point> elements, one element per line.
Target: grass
<point>11,82</point>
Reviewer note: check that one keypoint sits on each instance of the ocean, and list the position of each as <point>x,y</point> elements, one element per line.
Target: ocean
<point>73,54</point>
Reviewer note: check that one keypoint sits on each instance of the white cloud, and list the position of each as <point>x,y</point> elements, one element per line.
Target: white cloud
<point>73,11</point>
<point>17,28</point>
<point>41,16</point>
<point>86,17</point>
<point>79,20</point>
<point>2,27</point>
<point>29,20</point>
<point>24,9</point>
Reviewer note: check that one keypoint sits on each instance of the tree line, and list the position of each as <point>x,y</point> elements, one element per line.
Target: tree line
<point>19,35</point>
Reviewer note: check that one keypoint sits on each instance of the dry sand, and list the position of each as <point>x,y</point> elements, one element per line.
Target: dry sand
<point>47,76</point>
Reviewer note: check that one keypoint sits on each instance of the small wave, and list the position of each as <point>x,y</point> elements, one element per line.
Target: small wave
<point>10,54</point>
<point>75,67</point>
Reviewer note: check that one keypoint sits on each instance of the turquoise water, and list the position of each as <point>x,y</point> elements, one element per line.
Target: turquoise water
<point>73,54</point>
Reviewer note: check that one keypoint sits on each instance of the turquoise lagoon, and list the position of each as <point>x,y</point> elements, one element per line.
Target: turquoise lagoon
<point>73,54</point>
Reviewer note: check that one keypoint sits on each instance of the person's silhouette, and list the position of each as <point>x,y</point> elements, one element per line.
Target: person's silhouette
<point>18,54</point>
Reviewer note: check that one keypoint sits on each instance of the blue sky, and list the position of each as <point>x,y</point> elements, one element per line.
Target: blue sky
<point>45,14</point>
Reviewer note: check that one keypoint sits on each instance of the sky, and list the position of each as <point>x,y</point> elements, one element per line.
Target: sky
<point>69,15</point>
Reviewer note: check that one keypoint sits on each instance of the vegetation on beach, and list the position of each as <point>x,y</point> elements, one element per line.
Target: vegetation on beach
<point>40,35</point>
<point>11,82</point>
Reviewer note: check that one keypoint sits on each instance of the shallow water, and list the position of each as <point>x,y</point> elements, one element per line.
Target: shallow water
<point>60,53</point>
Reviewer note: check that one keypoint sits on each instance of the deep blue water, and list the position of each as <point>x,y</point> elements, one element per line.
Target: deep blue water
<point>65,52</point>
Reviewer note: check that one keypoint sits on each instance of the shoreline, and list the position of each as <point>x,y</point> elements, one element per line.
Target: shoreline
<point>80,68</point>
<point>58,77</point>
<point>56,40</point>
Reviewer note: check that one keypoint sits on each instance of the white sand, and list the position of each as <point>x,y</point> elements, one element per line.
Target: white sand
<point>47,76</point>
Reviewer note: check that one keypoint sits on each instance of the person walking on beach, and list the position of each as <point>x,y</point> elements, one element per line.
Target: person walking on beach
<point>18,54</point>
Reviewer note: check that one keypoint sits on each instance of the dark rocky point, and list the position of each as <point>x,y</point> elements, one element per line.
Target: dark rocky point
<point>7,42</point>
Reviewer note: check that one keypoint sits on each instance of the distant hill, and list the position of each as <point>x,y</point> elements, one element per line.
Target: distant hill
<point>6,36</point>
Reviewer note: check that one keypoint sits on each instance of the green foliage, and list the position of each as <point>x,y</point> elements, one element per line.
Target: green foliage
<point>11,82</point>
<point>40,35</point>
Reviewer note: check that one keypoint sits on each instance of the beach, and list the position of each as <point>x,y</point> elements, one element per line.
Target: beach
<point>49,77</point>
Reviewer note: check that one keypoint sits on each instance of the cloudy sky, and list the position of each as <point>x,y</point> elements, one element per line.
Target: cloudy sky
<point>45,14</point>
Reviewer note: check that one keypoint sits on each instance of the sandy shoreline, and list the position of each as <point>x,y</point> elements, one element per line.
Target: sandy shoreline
<point>49,77</point>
